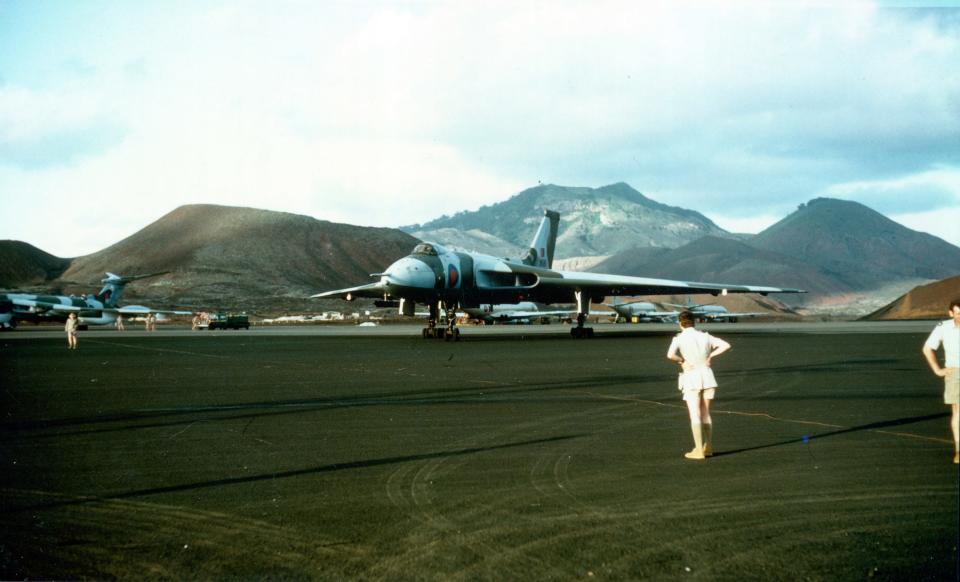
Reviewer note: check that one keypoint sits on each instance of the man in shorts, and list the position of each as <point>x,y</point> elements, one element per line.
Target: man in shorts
<point>71,327</point>
<point>694,350</point>
<point>947,333</point>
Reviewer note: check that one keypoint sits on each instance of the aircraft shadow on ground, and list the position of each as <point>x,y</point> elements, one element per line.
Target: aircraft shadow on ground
<point>434,396</point>
<point>807,438</point>
<point>217,413</point>
<point>333,467</point>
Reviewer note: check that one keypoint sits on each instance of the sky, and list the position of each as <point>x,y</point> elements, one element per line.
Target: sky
<point>375,113</point>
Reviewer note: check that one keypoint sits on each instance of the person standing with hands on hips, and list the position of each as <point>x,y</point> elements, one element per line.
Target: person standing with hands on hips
<point>694,350</point>
<point>947,333</point>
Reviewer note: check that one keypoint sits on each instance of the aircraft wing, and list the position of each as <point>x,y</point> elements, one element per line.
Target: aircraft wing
<point>42,306</point>
<point>730,315</point>
<point>660,316</point>
<point>141,310</point>
<point>519,314</point>
<point>372,290</point>
<point>598,284</point>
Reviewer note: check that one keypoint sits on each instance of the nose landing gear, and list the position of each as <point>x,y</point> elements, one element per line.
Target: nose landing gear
<point>450,332</point>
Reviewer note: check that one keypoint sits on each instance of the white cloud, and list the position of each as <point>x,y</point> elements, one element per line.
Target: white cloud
<point>912,194</point>
<point>393,113</point>
<point>746,225</point>
<point>942,223</point>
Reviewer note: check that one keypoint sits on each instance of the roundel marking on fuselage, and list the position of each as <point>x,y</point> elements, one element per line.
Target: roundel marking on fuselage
<point>454,276</point>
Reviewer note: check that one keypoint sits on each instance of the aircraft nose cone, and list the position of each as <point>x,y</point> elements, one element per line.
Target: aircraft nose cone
<point>408,272</point>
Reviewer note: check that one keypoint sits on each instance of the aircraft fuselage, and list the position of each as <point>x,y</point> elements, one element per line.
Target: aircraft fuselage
<point>39,308</point>
<point>432,273</point>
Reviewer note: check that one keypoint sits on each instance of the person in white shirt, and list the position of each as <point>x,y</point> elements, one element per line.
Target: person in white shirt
<point>694,350</point>
<point>947,333</point>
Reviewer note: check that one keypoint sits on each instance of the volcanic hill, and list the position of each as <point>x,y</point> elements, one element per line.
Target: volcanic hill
<point>242,257</point>
<point>857,246</point>
<point>923,302</point>
<point>24,265</point>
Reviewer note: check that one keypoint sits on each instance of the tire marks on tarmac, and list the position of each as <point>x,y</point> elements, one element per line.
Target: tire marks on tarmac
<point>157,541</point>
<point>487,533</point>
<point>477,529</point>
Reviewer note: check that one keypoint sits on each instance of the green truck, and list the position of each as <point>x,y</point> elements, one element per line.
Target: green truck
<point>228,321</point>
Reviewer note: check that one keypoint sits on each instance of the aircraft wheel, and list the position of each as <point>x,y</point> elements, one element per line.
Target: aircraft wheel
<point>581,332</point>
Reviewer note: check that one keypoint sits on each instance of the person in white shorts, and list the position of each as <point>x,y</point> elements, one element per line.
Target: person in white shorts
<point>947,333</point>
<point>694,350</point>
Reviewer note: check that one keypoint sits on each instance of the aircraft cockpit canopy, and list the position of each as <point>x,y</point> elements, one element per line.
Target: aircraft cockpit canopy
<point>430,249</point>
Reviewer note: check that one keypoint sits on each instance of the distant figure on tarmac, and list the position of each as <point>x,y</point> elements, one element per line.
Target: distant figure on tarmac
<point>694,350</point>
<point>119,322</point>
<point>73,324</point>
<point>947,333</point>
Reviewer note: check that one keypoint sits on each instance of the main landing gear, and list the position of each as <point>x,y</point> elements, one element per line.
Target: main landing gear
<point>450,332</point>
<point>580,331</point>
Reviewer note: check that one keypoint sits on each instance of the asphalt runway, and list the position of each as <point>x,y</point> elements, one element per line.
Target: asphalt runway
<point>516,453</point>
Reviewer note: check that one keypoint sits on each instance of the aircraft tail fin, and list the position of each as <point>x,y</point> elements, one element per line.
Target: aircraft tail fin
<point>113,287</point>
<point>540,253</point>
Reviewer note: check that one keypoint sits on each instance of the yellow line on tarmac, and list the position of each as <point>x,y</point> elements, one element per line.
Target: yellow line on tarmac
<point>149,349</point>
<point>765,415</point>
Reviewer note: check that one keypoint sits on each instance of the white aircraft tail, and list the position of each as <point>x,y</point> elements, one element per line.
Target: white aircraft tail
<point>540,253</point>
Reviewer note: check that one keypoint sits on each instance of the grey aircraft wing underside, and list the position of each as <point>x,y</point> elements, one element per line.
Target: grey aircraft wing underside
<point>557,285</point>
<point>598,285</point>
<point>371,290</point>
<point>63,308</point>
<point>140,310</point>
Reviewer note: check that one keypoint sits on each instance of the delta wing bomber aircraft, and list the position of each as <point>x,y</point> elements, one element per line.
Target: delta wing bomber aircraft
<point>99,309</point>
<point>447,280</point>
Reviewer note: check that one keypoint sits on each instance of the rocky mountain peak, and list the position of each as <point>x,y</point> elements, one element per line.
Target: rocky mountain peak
<point>593,221</point>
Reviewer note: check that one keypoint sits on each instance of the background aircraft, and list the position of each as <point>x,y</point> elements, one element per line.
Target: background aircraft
<point>508,312</point>
<point>712,312</point>
<point>99,309</point>
<point>643,311</point>
<point>445,279</point>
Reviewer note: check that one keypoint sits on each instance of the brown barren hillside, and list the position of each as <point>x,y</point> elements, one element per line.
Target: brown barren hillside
<point>243,257</point>
<point>923,302</point>
<point>857,246</point>
<point>24,265</point>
